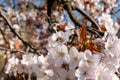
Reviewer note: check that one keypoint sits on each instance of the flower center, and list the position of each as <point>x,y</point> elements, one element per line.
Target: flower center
<point>60,39</point>
<point>110,47</point>
<point>85,73</point>
<point>61,54</point>
<point>75,58</point>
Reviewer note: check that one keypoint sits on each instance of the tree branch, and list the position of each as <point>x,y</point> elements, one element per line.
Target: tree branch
<point>113,13</point>
<point>11,50</point>
<point>4,37</point>
<point>95,31</point>
<point>69,8</point>
<point>87,16</point>
<point>29,4</point>
<point>10,26</point>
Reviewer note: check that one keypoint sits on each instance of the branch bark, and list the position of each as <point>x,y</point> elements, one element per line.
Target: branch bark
<point>4,36</point>
<point>87,16</point>
<point>2,48</point>
<point>10,26</point>
<point>69,9</point>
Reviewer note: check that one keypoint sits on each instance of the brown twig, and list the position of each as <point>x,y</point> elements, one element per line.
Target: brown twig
<point>87,16</point>
<point>95,31</point>
<point>4,36</point>
<point>10,26</point>
<point>69,9</point>
<point>118,17</point>
<point>14,6</point>
<point>28,4</point>
<point>11,50</point>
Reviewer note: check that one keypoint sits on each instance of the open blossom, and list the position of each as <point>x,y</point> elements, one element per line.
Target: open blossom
<point>106,20</point>
<point>42,62</point>
<point>61,36</point>
<point>66,75</point>
<point>11,65</point>
<point>112,45</point>
<point>75,57</point>
<point>60,55</point>
<point>91,59</point>
<point>58,38</point>
<point>85,72</point>
<point>112,62</point>
<point>103,73</point>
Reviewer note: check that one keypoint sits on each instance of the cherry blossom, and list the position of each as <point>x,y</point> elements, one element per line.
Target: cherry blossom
<point>106,20</point>
<point>75,57</point>
<point>85,72</point>
<point>64,75</point>
<point>51,47</point>
<point>60,54</point>
<point>11,65</point>
<point>112,45</point>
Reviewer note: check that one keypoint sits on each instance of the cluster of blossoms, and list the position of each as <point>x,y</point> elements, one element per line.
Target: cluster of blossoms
<point>64,62</point>
<point>29,64</point>
<point>95,7</point>
<point>81,59</point>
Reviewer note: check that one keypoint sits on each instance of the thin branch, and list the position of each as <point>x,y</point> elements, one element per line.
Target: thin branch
<point>10,26</point>
<point>118,17</point>
<point>69,8</point>
<point>11,50</point>
<point>3,34</point>
<point>50,4</point>
<point>29,4</point>
<point>87,16</point>
<point>95,31</point>
<point>117,11</point>
<point>72,40</point>
<point>14,6</point>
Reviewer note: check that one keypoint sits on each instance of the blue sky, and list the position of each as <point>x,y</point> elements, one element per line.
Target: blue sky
<point>37,2</point>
